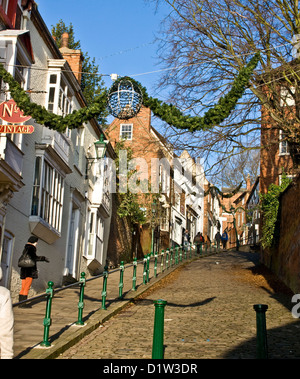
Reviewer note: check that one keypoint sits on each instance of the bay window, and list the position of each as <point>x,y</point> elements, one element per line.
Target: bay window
<point>47,197</point>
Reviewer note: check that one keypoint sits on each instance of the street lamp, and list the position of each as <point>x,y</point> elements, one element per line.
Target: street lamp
<point>100,148</point>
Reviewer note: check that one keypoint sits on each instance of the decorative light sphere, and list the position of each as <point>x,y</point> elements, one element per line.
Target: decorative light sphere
<point>124,99</point>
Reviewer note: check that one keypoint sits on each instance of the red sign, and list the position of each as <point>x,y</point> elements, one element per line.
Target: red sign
<point>17,129</point>
<point>10,112</point>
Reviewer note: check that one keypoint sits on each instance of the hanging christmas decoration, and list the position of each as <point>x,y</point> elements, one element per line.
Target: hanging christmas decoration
<point>124,99</point>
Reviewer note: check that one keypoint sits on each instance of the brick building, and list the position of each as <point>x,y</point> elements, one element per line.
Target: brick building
<point>276,157</point>
<point>172,185</point>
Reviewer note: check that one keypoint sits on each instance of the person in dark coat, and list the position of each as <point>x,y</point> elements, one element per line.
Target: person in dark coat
<point>27,274</point>
<point>218,239</point>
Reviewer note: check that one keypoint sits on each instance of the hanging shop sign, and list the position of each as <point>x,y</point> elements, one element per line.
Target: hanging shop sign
<point>12,114</point>
<point>16,129</point>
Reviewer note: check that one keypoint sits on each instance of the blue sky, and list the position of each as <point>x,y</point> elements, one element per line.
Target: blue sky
<point>118,33</point>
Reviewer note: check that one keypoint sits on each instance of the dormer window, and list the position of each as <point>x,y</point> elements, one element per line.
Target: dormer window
<point>60,96</point>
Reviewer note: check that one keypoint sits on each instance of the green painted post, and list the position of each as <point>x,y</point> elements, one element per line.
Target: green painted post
<point>167,259</point>
<point>134,274</point>
<point>180,254</point>
<point>104,293</point>
<point>121,284</point>
<point>145,270</point>
<point>158,333</point>
<point>82,283</point>
<point>190,251</point>
<point>162,261</point>
<point>47,319</point>
<point>148,267</point>
<point>155,264</point>
<point>261,331</point>
<point>171,257</point>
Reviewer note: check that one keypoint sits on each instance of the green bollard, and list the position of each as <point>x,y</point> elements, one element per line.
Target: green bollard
<point>180,255</point>
<point>134,274</point>
<point>162,261</point>
<point>148,267</point>
<point>167,259</point>
<point>104,293</point>
<point>121,284</point>
<point>261,331</point>
<point>155,264</point>
<point>158,333</point>
<point>171,257</point>
<point>47,319</point>
<point>82,283</point>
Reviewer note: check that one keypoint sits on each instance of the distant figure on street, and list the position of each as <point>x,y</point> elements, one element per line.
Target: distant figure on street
<point>198,241</point>
<point>6,323</point>
<point>218,239</point>
<point>27,274</point>
<point>186,238</point>
<point>224,239</point>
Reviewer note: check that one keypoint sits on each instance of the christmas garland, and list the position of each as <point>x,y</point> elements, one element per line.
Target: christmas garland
<point>214,116</point>
<point>166,112</point>
<point>51,120</point>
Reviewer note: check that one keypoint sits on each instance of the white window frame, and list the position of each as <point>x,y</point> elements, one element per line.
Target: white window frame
<point>62,94</point>
<point>288,176</point>
<point>126,131</point>
<point>48,194</point>
<point>283,144</point>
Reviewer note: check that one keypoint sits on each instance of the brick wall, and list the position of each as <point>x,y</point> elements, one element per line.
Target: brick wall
<point>284,259</point>
<point>271,162</point>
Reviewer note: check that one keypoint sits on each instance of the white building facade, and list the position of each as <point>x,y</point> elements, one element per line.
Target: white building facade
<point>51,185</point>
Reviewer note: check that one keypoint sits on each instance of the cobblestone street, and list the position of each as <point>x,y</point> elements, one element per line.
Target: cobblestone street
<point>209,314</point>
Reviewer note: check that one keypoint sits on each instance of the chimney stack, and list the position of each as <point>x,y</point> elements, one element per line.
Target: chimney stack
<point>65,40</point>
<point>248,182</point>
<point>73,57</point>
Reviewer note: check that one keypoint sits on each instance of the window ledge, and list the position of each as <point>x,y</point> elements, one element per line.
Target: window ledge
<point>43,230</point>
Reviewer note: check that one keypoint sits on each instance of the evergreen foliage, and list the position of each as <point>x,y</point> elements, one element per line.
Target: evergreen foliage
<point>167,113</point>
<point>269,208</point>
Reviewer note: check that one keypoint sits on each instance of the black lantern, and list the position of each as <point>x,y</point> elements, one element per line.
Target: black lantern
<point>124,98</point>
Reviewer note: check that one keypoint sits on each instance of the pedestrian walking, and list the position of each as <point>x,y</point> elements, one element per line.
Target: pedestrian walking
<point>27,274</point>
<point>218,239</point>
<point>186,238</point>
<point>224,239</point>
<point>6,323</point>
<point>198,241</point>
